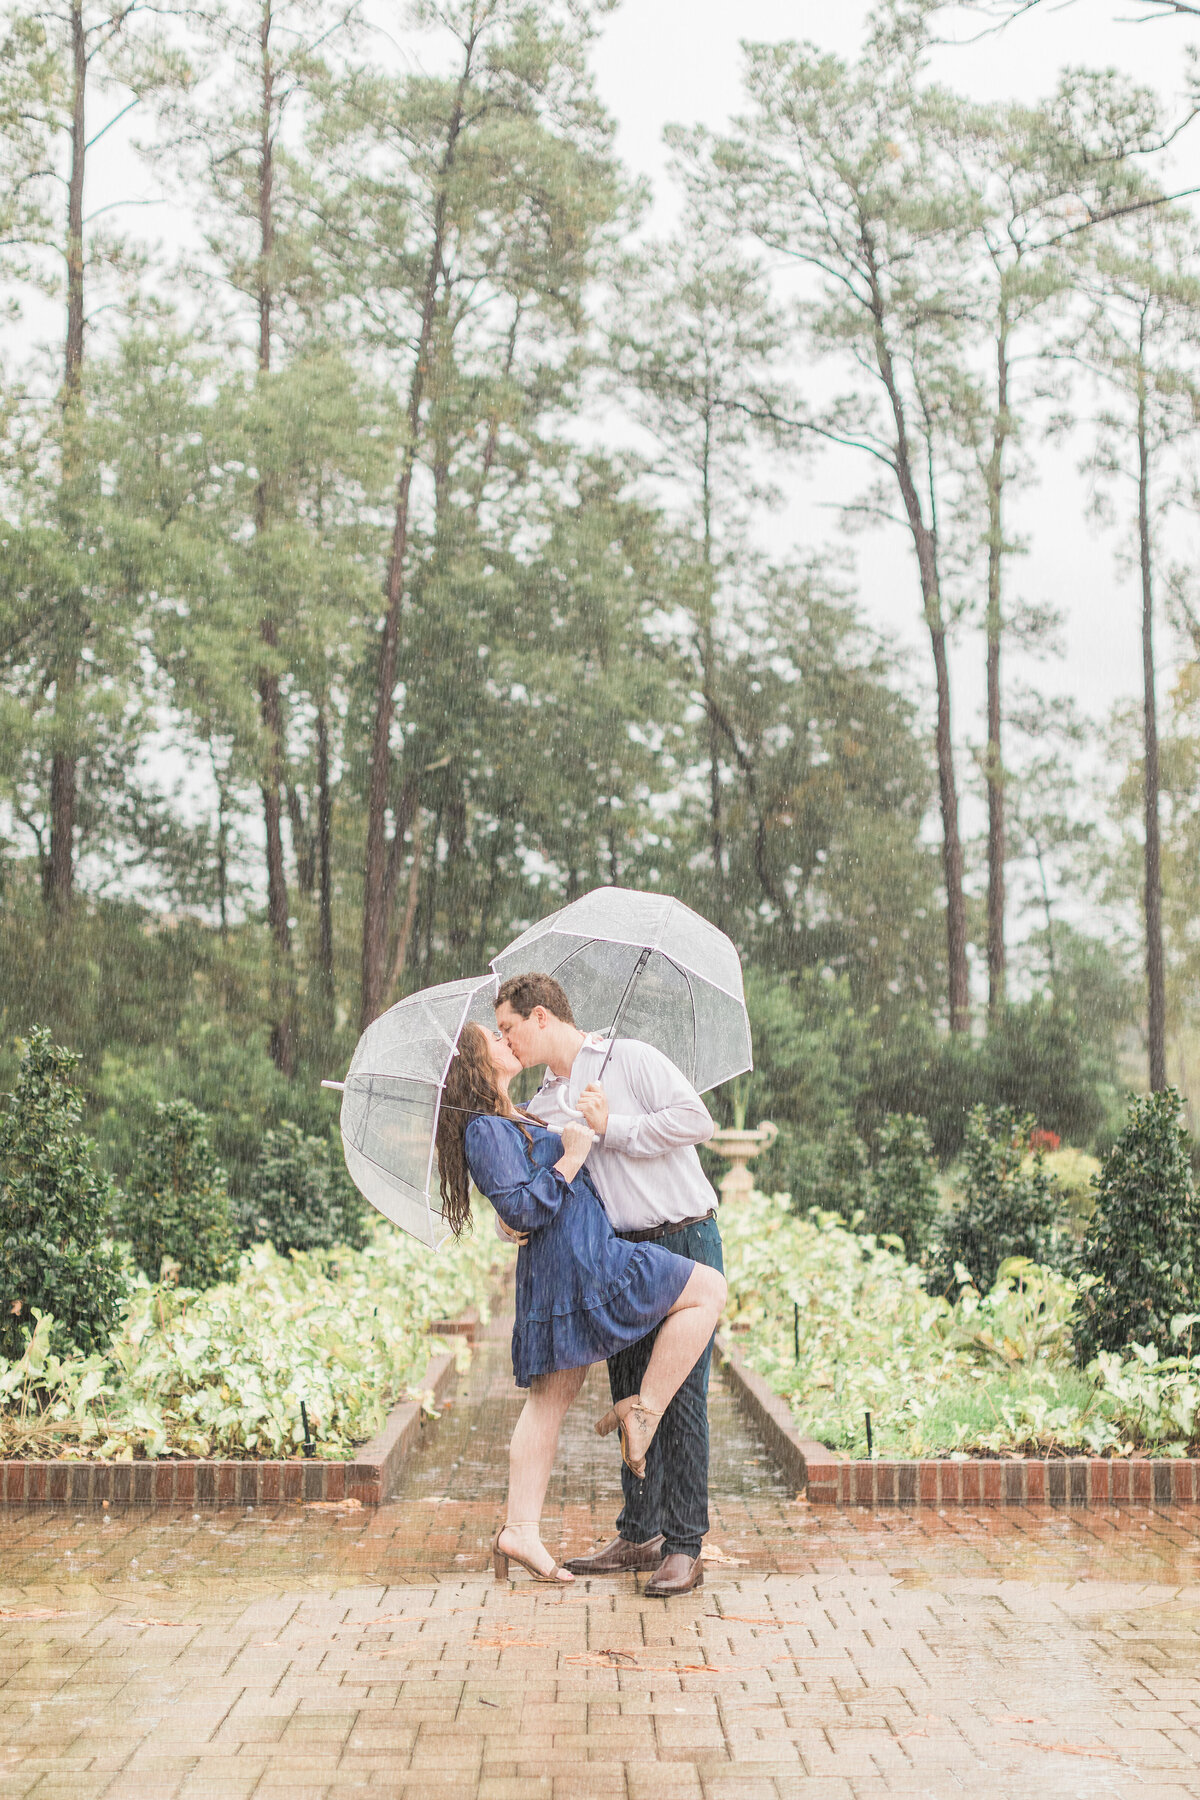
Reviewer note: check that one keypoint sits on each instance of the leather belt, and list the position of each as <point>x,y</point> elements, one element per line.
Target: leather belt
<point>643,1237</point>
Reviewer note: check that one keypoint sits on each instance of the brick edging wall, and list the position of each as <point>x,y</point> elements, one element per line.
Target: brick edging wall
<point>830,1480</point>
<point>772,1416</point>
<point>1015,1481</point>
<point>170,1481</point>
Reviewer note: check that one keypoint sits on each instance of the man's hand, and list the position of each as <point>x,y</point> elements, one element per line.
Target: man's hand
<point>593,1104</point>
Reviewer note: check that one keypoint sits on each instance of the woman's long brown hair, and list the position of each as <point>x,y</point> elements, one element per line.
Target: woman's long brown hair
<point>471,1088</point>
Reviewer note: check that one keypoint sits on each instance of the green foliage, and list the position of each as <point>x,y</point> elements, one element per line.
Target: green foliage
<point>989,1371</point>
<point>176,1202</point>
<point>1141,1244</point>
<point>819,1056</point>
<point>302,1198</point>
<point>903,1187</point>
<point>54,1209</point>
<point>222,1373</point>
<point>1009,1204</point>
<point>1153,1400</point>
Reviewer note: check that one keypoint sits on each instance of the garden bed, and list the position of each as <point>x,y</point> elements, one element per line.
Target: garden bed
<point>252,1481</point>
<point>217,1379</point>
<point>826,1479</point>
<point>836,1326</point>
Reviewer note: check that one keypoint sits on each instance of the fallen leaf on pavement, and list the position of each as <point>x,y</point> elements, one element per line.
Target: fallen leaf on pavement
<point>1070,1750</point>
<point>177,1622</point>
<point>713,1553</point>
<point>603,1659</point>
<point>34,1612</point>
<point>333,1506</point>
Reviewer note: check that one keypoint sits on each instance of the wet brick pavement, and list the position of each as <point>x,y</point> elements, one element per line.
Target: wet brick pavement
<point>302,1653</point>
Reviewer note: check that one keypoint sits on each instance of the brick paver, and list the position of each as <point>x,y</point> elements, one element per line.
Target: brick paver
<point>293,1652</point>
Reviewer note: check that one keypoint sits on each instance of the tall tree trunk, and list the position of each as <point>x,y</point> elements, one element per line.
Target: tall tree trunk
<point>1156,1009</point>
<point>73,359</point>
<point>59,873</point>
<point>708,679</point>
<point>270,700</point>
<point>375,887</point>
<point>994,763</point>
<point>324,859</point>
<point>925,543</point>
<point>282,1023</point>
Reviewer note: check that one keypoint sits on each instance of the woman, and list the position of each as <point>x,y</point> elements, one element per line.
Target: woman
<point>582,1292</point>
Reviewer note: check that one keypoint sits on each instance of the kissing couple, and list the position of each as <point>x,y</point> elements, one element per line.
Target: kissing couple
<point>619,1261</point>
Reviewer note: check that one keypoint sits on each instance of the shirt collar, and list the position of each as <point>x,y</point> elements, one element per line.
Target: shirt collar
<point>595,1040</point>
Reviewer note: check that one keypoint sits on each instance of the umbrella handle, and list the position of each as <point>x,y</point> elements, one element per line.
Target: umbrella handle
<point>640,964</point>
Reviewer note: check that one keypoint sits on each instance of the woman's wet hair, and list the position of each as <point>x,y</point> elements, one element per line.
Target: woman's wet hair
<point>471,1089</point>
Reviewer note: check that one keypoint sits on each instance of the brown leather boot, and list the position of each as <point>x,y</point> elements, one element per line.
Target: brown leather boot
<point>677,1574</point>
<point>618,1558</point>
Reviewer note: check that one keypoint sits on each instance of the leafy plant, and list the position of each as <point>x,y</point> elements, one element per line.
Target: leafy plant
<point>903,1197</point>
<point>223,1372</point>
<point>841,1326</point>
<point>54,1209</point>
<point>177,1201</point>
<point>1025,1318</point>
<point>1073,1171</point>
<point>300,1198</point>
<point>1009,1202</point>
<point>1141,1245</point>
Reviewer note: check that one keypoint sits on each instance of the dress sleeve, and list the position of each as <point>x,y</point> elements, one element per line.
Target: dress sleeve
<point>525,1196</point>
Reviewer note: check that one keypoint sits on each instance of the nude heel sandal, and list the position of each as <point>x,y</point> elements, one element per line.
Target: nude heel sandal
<point>632,1419</point>
<point>502,1558</point>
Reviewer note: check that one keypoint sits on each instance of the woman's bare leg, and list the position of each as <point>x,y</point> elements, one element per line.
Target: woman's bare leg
<point>682,1337</point>
<point>531,1458</point>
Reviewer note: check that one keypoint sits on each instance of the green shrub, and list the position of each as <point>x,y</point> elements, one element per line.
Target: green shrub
<point>177,1201</point>
<point>1009,1202</point>
<point>301,1198</point>
<point>55,1207</point>
<point>1140,1247</point>
<point>903,1199</point>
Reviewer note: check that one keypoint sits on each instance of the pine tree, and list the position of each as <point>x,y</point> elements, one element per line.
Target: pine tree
<point>55,1206</point>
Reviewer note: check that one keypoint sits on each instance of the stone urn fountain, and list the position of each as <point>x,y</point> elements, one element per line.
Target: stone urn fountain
<point>738,1147</point>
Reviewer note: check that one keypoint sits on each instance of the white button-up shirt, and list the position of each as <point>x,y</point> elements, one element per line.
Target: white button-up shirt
<point>645,1169</point>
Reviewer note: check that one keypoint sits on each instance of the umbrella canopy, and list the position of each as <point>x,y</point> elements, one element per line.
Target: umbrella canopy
<point>650,966</point>
<point>392,1095</point>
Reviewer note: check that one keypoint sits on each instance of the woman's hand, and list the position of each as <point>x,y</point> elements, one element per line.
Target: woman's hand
<point>577,1140</point>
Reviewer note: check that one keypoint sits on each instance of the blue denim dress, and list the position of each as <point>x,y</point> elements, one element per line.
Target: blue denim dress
<point>582,1292</point>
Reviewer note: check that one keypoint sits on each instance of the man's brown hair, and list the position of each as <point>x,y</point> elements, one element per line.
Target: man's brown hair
<point>524,992</point>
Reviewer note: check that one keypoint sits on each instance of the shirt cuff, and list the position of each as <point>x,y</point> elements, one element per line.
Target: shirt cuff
<point>618,1131</point>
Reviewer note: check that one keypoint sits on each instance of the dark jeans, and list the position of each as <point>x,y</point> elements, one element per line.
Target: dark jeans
<point>673,1496</point>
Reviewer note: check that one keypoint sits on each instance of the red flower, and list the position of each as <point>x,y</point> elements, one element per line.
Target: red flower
<point>1044,1140</point>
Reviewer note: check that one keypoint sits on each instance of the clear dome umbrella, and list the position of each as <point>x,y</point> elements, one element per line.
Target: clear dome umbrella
<point>645,966</point>
<point>392,1095</point>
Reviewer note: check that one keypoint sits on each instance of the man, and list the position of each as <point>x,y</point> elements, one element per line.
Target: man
<point>647,1120</point>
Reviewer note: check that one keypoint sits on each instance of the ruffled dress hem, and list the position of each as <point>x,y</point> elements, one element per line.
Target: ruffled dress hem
<point>655,1278</point>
